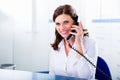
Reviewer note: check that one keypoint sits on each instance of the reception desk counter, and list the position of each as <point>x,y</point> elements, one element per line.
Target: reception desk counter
<point>26,75</point>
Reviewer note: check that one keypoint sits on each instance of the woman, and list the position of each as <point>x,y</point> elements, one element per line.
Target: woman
<point>64,60</point>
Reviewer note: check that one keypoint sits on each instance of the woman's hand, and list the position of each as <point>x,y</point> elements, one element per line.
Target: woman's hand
<point>79,31</point>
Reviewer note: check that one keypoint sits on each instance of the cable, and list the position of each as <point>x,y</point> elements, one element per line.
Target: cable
<point>109,78</point>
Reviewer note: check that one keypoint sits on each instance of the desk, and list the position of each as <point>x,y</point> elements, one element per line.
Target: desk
<point>26,75</point>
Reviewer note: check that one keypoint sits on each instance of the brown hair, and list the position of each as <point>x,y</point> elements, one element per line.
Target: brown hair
<point>64,9</point>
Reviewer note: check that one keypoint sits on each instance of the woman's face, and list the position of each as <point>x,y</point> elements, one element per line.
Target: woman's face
<point>63,24</point>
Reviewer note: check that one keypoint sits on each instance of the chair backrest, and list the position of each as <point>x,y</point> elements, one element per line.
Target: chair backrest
<point>104,74</point>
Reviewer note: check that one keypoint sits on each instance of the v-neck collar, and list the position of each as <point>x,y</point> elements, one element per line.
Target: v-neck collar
<point>61,46</point>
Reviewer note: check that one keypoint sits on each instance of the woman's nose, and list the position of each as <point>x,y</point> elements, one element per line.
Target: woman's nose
<point>62,26</point>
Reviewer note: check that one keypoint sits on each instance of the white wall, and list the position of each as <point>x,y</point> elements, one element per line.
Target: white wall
<point>6,38</point>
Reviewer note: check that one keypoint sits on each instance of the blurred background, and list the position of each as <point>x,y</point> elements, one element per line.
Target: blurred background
<point>27,29</point>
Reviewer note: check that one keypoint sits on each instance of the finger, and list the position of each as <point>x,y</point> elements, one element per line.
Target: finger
<point>73,33</point>
<point>74,26</point>
<point>80,24</point>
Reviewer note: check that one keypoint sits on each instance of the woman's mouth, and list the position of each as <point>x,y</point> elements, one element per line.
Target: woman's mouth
<point>64,32</point>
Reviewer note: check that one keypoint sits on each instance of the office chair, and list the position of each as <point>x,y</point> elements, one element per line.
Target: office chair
<point>104,74</point>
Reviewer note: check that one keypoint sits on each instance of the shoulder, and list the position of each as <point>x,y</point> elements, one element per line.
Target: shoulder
<point>88,41</point>
<point>90,46</point>
<point>52,51</point>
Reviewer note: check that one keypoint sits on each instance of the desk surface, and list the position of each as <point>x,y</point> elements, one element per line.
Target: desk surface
<point>26,75</point>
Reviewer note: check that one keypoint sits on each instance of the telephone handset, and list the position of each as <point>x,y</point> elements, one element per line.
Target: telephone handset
<point>69,37</point>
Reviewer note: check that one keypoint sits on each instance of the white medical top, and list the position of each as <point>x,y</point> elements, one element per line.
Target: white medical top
<point>60,64</point>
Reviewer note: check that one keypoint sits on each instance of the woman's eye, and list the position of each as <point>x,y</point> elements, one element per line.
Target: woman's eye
<point>57,24</point>
<point>66,22</point>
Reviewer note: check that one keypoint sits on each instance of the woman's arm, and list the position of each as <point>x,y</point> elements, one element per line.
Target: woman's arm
<point>81,65</point>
